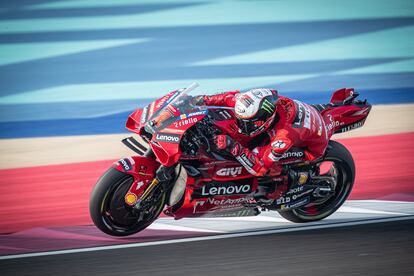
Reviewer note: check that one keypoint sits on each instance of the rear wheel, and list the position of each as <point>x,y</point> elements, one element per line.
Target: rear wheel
<point>112,215</point>
<point>342,169</point>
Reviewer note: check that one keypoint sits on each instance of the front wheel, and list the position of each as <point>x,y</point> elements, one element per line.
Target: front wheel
<point>342,168</point>
<point>112,215</point>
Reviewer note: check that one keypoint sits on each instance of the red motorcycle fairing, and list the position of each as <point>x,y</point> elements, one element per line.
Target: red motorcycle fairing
<point>212,207</point>
<point>203,204</point>
<point>221,187</point>
<point>139,117</point>
<point>134,123</point>
<point>343,114</point>
<point>169,123</point>
<point>341,94</point>
<point>165,142</point>
<point>345,118</point>
<point>142,169</point>
<point>160,103</point>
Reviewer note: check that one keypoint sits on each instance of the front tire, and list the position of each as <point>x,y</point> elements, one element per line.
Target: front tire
<point>342,159</point>
<point>111,214</point>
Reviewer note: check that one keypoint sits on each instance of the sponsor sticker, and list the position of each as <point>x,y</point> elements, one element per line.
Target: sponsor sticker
<point>230,171</point>
<point>226,190</point>
<point>161,102</point>
<point>168,137</point>
<point>333,123</point>
<point>144,115</point>
<point>292,154</point>
<point>294,197</point>
<point>353,126</point>
<point>246,161</point>
<point>130,199</point>
<point>303,116</point>
<point>151,109</point>
<point>223,189</point>
<point>139,185</point>
<point>227,201</point>
<point>282,200</point>
<point>192,114</point>
<point>175,94</point>
<point>279,144</point>
<point>197,113</point>
<point>273,157</point>
<point>223,204</point>
<point>307,121</point>
<point>295,190</point>
<point>166,99</point>
<point>300,114</point>
<point>185,122</point>
<point>126,164</point>
<point>296,204</point>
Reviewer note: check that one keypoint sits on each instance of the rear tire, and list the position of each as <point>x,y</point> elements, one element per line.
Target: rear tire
<point>342,158</point>
<point>111,214</point>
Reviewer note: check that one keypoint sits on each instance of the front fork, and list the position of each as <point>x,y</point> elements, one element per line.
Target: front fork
<point>148,176</point>
<point>162,179</point>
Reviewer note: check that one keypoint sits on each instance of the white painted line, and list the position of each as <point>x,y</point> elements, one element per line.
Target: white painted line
<point>259,218</point>
<point>171,227</point>
<point>381,201</point>
<point>214,237</point>
<point>357,210</point>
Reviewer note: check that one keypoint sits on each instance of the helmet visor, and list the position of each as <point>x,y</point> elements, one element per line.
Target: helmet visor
<point>253,125</point>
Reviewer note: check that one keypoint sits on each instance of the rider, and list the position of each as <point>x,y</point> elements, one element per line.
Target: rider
<point>284,130</point>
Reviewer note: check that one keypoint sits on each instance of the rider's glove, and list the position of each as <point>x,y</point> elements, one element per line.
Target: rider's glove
<point>198,100</point>
<point>223,142</point>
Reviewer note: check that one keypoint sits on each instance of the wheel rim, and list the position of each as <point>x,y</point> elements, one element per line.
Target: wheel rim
<point>122,218</point>
<point>323,208</point>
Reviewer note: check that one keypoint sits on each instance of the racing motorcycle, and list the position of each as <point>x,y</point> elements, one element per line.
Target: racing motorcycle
<point>178,170</point>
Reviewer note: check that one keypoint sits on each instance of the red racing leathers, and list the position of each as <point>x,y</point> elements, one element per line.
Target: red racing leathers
<point>298,135</point>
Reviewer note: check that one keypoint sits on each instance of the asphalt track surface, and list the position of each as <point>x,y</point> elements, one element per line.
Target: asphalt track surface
<point>374,249</point>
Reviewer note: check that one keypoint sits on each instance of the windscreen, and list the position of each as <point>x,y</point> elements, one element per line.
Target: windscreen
<point>174,110</point>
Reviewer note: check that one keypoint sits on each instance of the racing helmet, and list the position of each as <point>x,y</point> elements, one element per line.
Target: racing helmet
<point>255,111</point>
